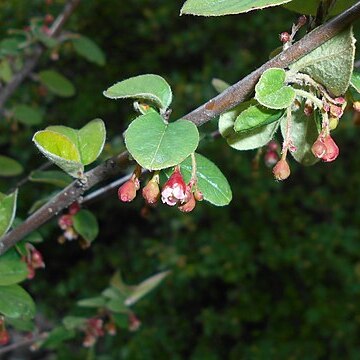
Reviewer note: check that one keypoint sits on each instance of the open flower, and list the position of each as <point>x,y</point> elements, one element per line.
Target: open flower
<point>174,190</point>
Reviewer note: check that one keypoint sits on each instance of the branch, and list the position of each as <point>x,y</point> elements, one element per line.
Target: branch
<point>231,97</point>
<point>32,61</point>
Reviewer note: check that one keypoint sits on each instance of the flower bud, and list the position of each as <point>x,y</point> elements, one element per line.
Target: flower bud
<point>134,322</point>
<point>37,259</point>
<point>198,195</point>
<point>174,190</point>
<point>127,191</point>
<point>189,205</point>
<point>332,150</point>
<point>151,192</point>
<point>302,20</point>
<point>89,340</point>
<point>65,221</point>
<point>48,19</point>
<point>70,234</point>
<point>272,145</point>
<point>319,148</point>
<point>340,100</point>
<point>333,122</point>
<point>356,106</point>
<point>284,37</point>
<point>31,272</point>
<point>271,158</point>
<point>336,111</point>
<point>110,328</point>
<point>4,337</point>
<point>74,208</point>
<point>281,170</point>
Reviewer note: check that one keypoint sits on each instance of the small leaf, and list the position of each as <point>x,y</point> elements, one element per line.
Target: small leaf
<point>94,302</point>
<point>303,135</point>
<point>60,150</point>
<point>219,85</point>
<point>7,211</point>
<point>355,80</point>
<point>10,46</point>
<point>27,115</point>
<point>117,306</point>
<point>145,87</point>
<point>85,223</point>
<point>57,83</point>
<point>6,73</point>
<point>118,283</point>
<point>12,269</point>
<point>74,322</point>
<point>255,116</point>
<point>211,181</point>
<point>145,287</point>
<point>56,337</point>
<point>156,145</point>
<point>89,50</point>
<point>53,177</point>
<point>331,64</point>
<point>9,167</point>
<point>271,92</point>
<point>15,302</point>
<point>227,7</point>
<point>248,140</point>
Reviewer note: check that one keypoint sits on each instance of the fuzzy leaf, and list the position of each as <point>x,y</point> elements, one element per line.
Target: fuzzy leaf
<point>248,140</point>
<point>15,302</point>
<point>7,211</point>
<point>88,49</point>
<point>27,115</point>
<point>355,80</point>
<point>53,177</point>
<point>331,64</point>
<point>211,181</point>
<point>226,7</point>
<point>85,223</point>
<point>9,167</point>
<point>12,269</point>
<point>271,92</point>
<point>57,83</point>
<point>156,145</point>
<point>144,87</point>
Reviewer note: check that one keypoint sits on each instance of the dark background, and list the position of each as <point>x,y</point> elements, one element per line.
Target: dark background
<point>274,275</point>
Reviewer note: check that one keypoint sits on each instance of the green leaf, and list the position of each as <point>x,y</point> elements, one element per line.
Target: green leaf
<point>86,48</point>
<point>156,145</point>
<point>57,83</point>
<point>255,116</point>
<point>310,7</point>
<point>10,46</point>
<point>53,177</point>
<point>248,140</point>
<point>12,269</point>
<point>15,302</point>
<point>113,293</point>
<point>56,337</point>
<point>94,302</point>
<point>85,223</point>
<point>219,85</point>
<point>118,283</point>
<point>9,167</point>
<point>271,92</point>
<point>74,322</point>
<point>355,80</point>
<point>145,287</point>
<point>27,115</point>
<point>117,306</point>
<point>145,87</point>
<point>60,150</point>
<point>7,211</point>
<point>304,133</point>
<point>226,7</point>
<point>6,73</point>
<point>211,181</point>
<point>21,324</point>
<point>331,64</point>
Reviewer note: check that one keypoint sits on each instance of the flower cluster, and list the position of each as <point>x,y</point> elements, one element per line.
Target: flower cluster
<point>95,328</point>
<point>65,223</point>
<point>33,260</point>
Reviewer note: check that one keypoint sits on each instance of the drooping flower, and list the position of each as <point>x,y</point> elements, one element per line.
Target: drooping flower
<point>127,191</point>
<point>332,150</point>
<point>281,170</point>
<point>151,192</point>
<point>319,148</point>
<point>174,190</point>
<point>189,205</point>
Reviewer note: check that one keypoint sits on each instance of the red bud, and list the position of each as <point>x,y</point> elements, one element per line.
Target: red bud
<point>4,337</point>
<point>127,191</point>
<point>271,158</point>
<point>284,37</point>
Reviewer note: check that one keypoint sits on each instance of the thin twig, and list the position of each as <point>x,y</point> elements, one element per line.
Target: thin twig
<point>231,97</point>
<point>22,343</point>
<point>32,60</point>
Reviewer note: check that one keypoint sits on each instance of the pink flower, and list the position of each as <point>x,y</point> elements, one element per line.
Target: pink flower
<point>151,192</point>
<point>281,170</point>
<point>174,190</point>
<point>189,205</point>
<point>127,191</point>
<point>319,148</point>
<point>332,150</point>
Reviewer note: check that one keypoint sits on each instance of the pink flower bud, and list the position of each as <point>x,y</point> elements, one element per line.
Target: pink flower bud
<point>319,148</point>
<point>332,150</point>
<point>110,328</point>
<point>151,192</point>
<point>89,340</point>
<point>271,158</point>
<point>31,272</point>
<point>127,191</point>
<point>134,322</point>
<point>174,190</point>
<point>48,19</point>
<point>65,221</point>
<point>302,20</point>
<point>74,208</point>
<point>37,259</point>
<point>189,205</point>
<point>340,100</point>
<point>4,337</point>
<point>336,111</point>
<point>272,146</point>
<point>281,170</point>
<point>284,37</point>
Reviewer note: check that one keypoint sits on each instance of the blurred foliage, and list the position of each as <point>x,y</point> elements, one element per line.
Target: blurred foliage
<point>275,275</point>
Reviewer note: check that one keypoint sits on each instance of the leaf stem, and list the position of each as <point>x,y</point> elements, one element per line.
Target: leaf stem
<point>306,95</point>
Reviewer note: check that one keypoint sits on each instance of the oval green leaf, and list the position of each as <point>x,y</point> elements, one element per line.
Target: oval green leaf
<point>60,150</point>
<point>86,48</point>
<point>248,140</point>
<point>271,92</point>
<point>53,177</point>
<point>332,63</point>
<point>94,302</point>
<point>255,116</point>
<point>7,211</point>
<point>211,181</point>
<point>27,115</point>
<point>310,7</point>
<point>149,87</point>
<point>355,80</point>
<point>227,7</point>
<point>12,269</point>
<point>156,145</point>
<point>9,167</point>
<point>15,302</point>
<point>6,72</point>
<point>57,83</point>
<point>86,225</point>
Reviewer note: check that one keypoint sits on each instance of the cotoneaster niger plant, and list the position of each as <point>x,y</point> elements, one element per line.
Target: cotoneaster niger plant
<point>304,102</point>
